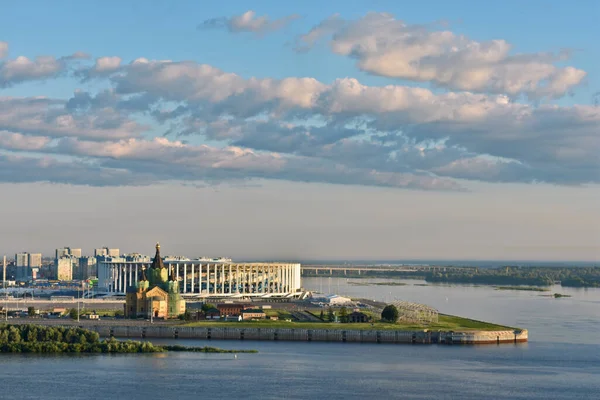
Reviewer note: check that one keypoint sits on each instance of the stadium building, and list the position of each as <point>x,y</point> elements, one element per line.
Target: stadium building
<point>207,277</point>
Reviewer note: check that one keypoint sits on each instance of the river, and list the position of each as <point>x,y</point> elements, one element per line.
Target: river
<point>561,361</point>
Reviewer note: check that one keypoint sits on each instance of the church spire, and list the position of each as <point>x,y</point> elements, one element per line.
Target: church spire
<point>143,278</point>
<point>157,263</point>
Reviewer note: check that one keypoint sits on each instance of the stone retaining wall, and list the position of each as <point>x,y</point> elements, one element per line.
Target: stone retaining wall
<point>315,335</point>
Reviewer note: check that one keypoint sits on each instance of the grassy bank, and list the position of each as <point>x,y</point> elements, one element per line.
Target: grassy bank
<point>445,323</point>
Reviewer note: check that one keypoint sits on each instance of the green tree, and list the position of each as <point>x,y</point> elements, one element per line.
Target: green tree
<point>73,313</point>
<point>343,315</point>
<point>31,311</point>
<point>321,316</point>
<point>207,306</point>
<point>186,316</point>
<point>330,315</point>
<point>390,313</point>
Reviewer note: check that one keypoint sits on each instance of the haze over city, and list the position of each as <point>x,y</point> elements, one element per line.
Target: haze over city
<point>312,130</point>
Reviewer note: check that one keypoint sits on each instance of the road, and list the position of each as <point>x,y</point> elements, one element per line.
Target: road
<point>48,305</point>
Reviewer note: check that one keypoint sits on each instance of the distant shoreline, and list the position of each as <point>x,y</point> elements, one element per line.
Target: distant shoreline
<point>503,276</point>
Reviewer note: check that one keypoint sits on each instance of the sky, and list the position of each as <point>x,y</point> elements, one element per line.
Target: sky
<point>302,130</point>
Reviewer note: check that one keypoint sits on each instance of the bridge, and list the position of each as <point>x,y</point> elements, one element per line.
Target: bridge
<point>331,270</point>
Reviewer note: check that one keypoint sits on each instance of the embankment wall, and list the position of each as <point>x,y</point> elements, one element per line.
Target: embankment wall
<point>316,335</point>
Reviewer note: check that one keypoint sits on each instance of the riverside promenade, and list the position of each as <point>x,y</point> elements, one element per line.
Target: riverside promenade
<point>139,329</point>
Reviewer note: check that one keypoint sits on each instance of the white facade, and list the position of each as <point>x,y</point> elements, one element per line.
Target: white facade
<point>27,265</point>
<point>331,299</point>
<point>209,278</point>
<point>22,260</point>
<point>35,260</point>
<point>67,251</point>
<point>63,268</point>
<point>105,251</point>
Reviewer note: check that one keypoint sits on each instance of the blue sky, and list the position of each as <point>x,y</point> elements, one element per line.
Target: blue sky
<point>456,103</point>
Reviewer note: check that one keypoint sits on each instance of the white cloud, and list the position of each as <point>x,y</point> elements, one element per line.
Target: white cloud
<point>302,129</point>
<point>374,122</point>
<point>22,69</point>
<point>17,141</point>
<point>48,117</point>
<point>383,45</point>
<point>248,22</point>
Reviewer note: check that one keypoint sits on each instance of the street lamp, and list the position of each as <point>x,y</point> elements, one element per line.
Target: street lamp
<point>78,304</point>
<point>149,306</point>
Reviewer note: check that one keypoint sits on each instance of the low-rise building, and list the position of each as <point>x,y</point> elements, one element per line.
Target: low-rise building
<point>251,314</point>
<point>232,309</point>
<point>212,313</point>
<point>331,299</point>
<point>358,316</point>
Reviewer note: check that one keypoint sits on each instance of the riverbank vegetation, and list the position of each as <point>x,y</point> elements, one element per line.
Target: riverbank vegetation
<point>506,276</point>
<point>523,288</point>
<point>53,339</point>
<point>206,349</point>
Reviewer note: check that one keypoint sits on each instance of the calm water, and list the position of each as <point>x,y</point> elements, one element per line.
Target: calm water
<point>560,362</point>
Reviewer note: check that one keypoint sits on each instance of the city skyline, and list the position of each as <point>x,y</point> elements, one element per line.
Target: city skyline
<point>369,130</point>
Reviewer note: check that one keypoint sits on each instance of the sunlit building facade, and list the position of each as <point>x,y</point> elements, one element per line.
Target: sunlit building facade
<point>208,277</point>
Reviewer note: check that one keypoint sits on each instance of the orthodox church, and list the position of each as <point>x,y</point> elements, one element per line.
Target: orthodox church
<point>155,292</point>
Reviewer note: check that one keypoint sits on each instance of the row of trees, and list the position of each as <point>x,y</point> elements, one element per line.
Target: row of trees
<point>343,316</point>
<point>389,314</point>
<point>50,339</point>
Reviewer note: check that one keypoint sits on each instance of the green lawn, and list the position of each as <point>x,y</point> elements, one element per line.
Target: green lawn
<point>446,323</point>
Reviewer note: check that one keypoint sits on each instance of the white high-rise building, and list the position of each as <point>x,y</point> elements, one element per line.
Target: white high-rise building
<point>86,268</point>
<point>63,268</point>
<point>106,252</point>
<point>67,251</point>
<point>35,260</point>
<point>22,266</point>
<point>27,265</point>
<point>22,260</point>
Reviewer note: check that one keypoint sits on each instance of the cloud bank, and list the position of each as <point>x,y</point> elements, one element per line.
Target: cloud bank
<point>383,45</point>
<point>152,121</point>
